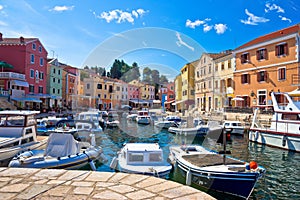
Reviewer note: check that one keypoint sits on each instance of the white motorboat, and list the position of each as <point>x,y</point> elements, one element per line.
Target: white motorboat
<point>165,124</point>
<point>200,129</point>
<point>213,171</point>
<point>143,117</point>
<point>94,116</point>
<point>283,131</point>
<point>17,133</point>
<point>62,152</point>
<point>113,120</point>
<point>235,126</point>
<point>132,117</point>
<point>141,158</point>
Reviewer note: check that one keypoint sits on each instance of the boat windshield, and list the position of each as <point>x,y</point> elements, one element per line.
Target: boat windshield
<point>136,157</point>
<point>12,121</point>
<point>155,157</point>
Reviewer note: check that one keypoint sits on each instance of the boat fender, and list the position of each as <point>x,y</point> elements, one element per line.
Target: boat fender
<point>114,163</point>
<point>69,156</point>
<point>256,134</point>
<point>188,180</point>
<point>284,139</point>
<point>58,158</point>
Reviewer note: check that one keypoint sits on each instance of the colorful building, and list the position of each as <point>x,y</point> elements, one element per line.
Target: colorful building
<point>54,82</point>
<point>28,57</point>
<point>266,64</point>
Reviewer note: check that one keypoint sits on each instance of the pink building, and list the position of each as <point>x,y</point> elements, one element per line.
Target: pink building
<point>28,57</point>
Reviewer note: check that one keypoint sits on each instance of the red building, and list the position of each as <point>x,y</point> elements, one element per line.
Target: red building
<point>168,92</point>
<point>28,57</point>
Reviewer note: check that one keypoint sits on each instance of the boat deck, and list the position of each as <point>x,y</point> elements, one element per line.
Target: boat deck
<point>205,160</point>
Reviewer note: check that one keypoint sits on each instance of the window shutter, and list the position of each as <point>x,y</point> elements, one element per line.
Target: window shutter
<point>248,78</point>
<point>242,78</point>
<point>266,54</point>
<point>258,76</point>
<point>277,50</point>
<point>285,47</point>
<point>266,76</point>
<point>257,55</point>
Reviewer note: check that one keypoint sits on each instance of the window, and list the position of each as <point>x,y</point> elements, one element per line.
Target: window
<point>31,88</point>
<point>59,72</point>
<point>261,54</point>
<point>155,157</point>
<point>245,58</point>
<point>222,66</point>
<point>262,97</point>
<point>58,91</point>
<point>136,157</point>
<point>110,90</point>
<point>88,86</point>
<point>32,58</point>
<point>53,90</point>
<point>105,87</point>
<point>282,74</point>
<point>41,75</point>
<point>58,80</point>
<point>262,76</point>
<point>40,49</point>
<point>31,73</point>
<point>41,61</point>
<point>209,69</point>
<point>53,80</point>
<point>40,89</point>
<point>216,85</point>
<point>281,49</point>
<point>245,78</point>
<point>99,86</point>
<point>99,95</point>
<point>229,64</point>
<point>53,70</point>
<point>36,74</point>
<point>33,46</point>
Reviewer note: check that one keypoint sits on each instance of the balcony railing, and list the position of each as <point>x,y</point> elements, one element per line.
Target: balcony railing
<point>12,75</point>
<point>295,79</point>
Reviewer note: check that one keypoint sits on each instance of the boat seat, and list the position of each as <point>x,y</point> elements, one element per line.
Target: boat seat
<point>11,132</point>
<point>60,145</point>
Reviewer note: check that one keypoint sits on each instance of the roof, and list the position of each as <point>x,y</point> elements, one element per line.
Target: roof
<point>18,112</point>
<point>142,147</point>
<point>277,34</point>
<point>17,41</point>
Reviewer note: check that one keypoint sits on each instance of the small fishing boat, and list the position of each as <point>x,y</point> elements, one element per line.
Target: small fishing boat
<point>62,152</point>
<point>113,120</point>
<point>213,171</point>
<point>165,124</point>
<point>143,117</point>
<point>235,126</point>
<point>17,133</point>
<point>141,158</point>
<point>283,130</point>
<point>200,129</point>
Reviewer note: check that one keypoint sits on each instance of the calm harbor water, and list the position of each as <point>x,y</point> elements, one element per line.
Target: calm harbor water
<point>282,179</point>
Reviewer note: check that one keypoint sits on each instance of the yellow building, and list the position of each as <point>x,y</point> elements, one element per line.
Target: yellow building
<point>187,74</point>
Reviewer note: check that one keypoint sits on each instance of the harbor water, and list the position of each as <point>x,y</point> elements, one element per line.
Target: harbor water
<point>281,181</point>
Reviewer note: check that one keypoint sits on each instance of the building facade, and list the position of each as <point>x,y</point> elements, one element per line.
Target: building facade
<point>266,64</point>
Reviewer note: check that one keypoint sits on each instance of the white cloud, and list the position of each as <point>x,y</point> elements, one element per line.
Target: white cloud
<point>62,8</point>
<point>121,16</point>
<point>1,7</point>
<point>220,28</point>
<point>285,19</point>
<point>181,42</point>
<point>3,23</point>
<point>197,22</point>
<point>252,19</point>
<point>207,28</point>
<point>273,7</point>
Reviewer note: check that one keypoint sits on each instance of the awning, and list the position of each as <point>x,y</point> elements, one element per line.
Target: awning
<point>170,102</point>
<point>140,101</point>
<point>56,97</point>
<point>156,101</point>
<point>27,99</point>
<point>44,96</point>
<point>19,83</point>
<point>181,101</point>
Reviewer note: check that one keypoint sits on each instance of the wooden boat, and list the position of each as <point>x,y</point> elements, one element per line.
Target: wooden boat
<point>235,126</point>
<point>214,171</point>
<point>17,133</point>
<point>283,131</point>
<point>62,152</point>
<point>141,158</point>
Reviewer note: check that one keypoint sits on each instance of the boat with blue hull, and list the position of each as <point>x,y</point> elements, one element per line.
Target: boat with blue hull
<point>62,152</point>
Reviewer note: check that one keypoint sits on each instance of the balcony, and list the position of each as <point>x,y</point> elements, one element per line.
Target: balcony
<point>295,80</point>
<point>12,75</point>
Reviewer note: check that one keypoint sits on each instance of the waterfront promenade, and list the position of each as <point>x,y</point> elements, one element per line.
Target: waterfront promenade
<point>26,183</point>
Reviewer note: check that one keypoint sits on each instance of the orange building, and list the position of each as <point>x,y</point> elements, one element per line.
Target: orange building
<point>266,64</point>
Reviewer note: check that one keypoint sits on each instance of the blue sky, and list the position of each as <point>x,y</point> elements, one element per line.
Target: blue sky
<point>158,33</point>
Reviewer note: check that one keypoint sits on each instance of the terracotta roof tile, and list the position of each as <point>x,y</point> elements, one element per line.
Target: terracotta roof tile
<point>271,36</point>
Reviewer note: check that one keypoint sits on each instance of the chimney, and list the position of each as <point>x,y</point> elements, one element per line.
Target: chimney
<point>1,39</point>
<point>22,40</point>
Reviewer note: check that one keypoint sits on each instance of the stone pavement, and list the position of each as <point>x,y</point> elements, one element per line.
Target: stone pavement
<point>26,183</point>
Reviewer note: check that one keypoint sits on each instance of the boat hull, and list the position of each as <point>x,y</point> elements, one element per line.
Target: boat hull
<point>276,139</point>
<point>37,160</point>
<point>189,131</point>
<point>232,184</point>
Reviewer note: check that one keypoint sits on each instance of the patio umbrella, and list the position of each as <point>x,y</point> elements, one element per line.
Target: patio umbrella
<point>6,65</point>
